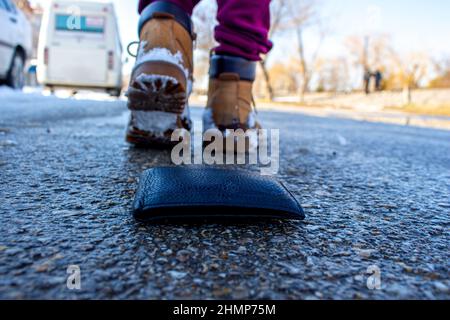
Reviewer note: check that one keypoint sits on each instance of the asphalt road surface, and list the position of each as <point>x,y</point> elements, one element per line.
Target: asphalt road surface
<point>376,198</point>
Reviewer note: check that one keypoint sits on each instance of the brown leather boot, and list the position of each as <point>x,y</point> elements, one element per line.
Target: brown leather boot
<point>230,96</point>
<point>161,81</point>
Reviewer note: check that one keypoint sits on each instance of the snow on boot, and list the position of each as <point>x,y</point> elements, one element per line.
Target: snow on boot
<point>230,98</point>
<point>161,81</point>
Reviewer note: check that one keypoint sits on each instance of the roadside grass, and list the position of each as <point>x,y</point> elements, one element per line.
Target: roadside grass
<point>427,110</point>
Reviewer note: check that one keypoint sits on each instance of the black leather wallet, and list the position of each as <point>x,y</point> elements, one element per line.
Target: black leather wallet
<point>184,193</point>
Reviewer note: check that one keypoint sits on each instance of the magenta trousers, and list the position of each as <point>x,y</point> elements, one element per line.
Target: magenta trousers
<point>243,26</point>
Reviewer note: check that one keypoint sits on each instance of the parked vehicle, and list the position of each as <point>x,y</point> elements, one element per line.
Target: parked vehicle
<point>15,44</point>
<point>80,47</point>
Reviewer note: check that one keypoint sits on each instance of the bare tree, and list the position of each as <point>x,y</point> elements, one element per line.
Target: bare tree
<point>204,18</point>
<point>441,67</point>
<point>278,13</point>
<point>369,52</point>
<point>286,16</point>
<point>411,71</point>
<point>334,74</point>
<point>303,15</point>
<point>284,76</point>
<point>295,16</point>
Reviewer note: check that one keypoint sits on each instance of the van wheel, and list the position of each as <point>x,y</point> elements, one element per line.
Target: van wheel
<point>16,77</point>
<point>115,92</point>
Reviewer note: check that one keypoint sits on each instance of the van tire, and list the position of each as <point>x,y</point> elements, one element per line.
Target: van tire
<point>115,92</point>
<point>51,89</point>
<point>16,77</point>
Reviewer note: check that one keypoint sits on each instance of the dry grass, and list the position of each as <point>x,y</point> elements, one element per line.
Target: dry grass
<point>429,110</point>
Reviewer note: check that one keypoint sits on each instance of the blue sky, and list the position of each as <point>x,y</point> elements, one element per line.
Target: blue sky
<point>414,25</point>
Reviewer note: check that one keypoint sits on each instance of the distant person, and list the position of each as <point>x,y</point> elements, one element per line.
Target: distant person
<point>378,80</point>
<point>367,81</point>
<point>161,81</point>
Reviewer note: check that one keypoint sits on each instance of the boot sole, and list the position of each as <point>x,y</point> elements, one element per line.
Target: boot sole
<point>161,86</point>
<point>145,139</point>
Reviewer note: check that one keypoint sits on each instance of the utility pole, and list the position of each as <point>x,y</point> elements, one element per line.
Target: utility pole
<point>366,52</point>
<point>367,75</point>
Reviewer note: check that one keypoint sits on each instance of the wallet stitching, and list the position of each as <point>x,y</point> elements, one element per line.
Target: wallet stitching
<point>192,204</point>
<point>253,196</point>
<point>248,196</point>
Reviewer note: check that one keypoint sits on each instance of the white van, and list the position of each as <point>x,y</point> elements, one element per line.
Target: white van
<point>15,44</point>
<point>79,46</point>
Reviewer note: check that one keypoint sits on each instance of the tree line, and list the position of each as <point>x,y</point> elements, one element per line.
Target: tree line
<point>307,69</point>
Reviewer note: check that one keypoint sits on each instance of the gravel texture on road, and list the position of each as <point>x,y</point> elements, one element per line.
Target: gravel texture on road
<point>376,197</point>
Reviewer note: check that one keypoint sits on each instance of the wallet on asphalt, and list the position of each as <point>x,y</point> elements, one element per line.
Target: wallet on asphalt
<point>185,193</point>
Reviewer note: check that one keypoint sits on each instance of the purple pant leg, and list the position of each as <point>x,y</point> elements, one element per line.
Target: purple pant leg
<point>243,28</point>
<point>187,5</point>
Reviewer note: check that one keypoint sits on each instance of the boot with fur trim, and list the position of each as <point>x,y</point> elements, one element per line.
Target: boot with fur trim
<point>230,96</point>
<point>161,81</point>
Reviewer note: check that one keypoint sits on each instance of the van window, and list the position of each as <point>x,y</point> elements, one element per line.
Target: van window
<point>91,24</point>
<point>10,6</point>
